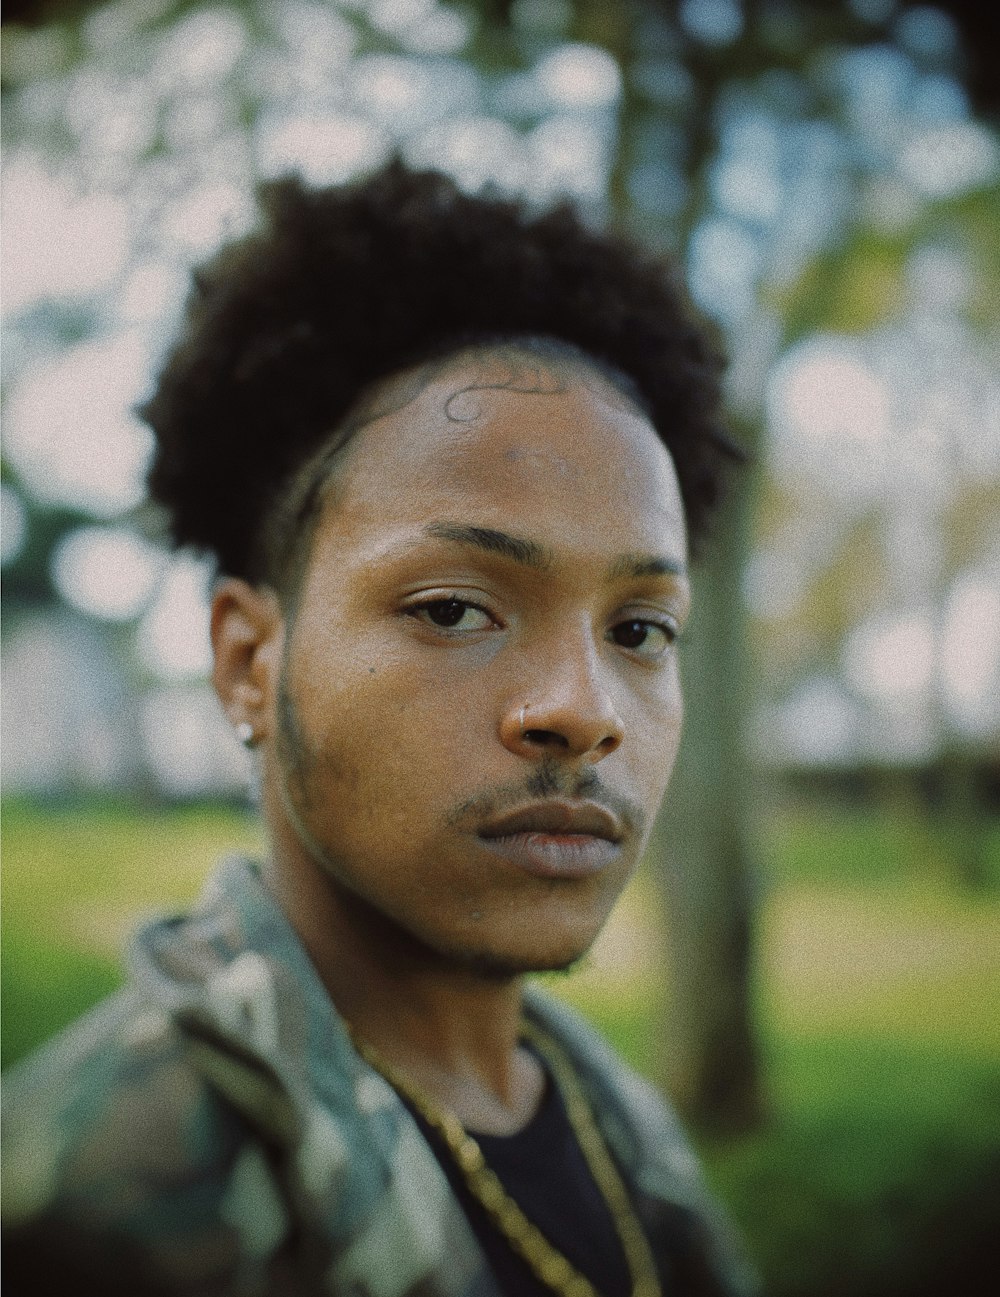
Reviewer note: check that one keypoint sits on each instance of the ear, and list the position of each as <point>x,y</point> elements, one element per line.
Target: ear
<point>248,632</point>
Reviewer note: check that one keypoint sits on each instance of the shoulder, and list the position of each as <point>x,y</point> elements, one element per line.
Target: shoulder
<point>115,1145</point>
<point>692,1238</point>
<point>114,1095</point>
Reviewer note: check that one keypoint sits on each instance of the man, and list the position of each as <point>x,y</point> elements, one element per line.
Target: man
<point>446,455</point>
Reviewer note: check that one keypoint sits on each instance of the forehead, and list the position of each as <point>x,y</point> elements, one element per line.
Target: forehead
<point>495,436</point>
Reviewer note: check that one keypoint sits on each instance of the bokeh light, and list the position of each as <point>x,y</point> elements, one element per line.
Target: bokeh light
<point>891,657</point>
<point>136,137</point>
<point>173,637</point>
<point>70,431</point>
<point>715,22</point>
<point>106,572</point>
<point>970,652</point>
<point>579,76</point>
<point>945,160</point>
<point>59,243</point>
<point>827,393</point>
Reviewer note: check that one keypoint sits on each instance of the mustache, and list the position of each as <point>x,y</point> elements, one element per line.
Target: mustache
<point>550,780</point>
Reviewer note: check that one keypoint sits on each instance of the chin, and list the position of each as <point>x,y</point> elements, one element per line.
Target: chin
<point>503,965</point>
<point>547,939</point>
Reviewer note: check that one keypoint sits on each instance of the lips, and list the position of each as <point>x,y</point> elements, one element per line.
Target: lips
<point>557,819</point>
<point>555,840</point>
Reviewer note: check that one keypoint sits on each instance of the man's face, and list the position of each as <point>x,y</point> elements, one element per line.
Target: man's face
<point>480,702</point>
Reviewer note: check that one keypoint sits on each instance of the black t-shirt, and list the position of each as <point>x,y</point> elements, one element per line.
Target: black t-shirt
<point>543,1169</point>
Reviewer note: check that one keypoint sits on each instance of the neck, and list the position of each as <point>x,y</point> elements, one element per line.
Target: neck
<point>448,1028</point>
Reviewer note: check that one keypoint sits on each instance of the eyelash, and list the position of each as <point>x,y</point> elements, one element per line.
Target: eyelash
<point>669,628</point>
<point>671,632</point>
<point>415,610</point>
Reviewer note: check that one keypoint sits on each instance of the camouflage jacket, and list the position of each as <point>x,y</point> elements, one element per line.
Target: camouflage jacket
<point>211,1130</point>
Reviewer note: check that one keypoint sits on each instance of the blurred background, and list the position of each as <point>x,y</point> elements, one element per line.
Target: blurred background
<point>808,963</point>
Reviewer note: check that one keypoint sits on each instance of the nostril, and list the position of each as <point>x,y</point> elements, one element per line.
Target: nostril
<point>546,738</point>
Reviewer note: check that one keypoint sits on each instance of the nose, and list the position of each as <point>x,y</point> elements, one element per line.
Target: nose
<point>565,711</point>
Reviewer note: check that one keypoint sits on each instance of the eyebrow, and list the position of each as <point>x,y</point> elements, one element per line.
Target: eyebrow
<point>645,565</point>
<point>526,552</point>
<point>529,553</point>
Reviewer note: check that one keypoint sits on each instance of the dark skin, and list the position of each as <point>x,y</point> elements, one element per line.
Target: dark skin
<point>468,715</point>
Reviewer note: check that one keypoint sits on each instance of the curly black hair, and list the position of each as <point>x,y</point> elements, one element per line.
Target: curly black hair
<point>286,328</point>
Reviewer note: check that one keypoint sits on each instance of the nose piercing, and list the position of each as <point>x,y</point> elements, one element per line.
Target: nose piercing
<point>524,728</point>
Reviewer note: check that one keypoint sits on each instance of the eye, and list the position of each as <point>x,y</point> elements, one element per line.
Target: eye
<point>647,639</point>
<point>452,614</point>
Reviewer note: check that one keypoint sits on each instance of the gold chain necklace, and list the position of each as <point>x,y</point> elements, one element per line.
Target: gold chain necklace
<point>545,1262</point>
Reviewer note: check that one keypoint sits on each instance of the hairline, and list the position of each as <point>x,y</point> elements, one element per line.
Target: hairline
<point>289,524</point>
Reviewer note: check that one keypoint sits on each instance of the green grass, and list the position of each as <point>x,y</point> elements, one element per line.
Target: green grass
<point>871,1148</point>
<point>43,987</point>
<point>877,1172</point>
<point>75,883</point>
<point>904,844</point>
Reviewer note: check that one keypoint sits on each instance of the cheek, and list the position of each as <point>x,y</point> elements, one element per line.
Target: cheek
<point>657,735</point>
<point>382,728</point>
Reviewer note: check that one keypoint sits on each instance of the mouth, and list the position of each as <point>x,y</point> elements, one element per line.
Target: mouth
<point>556,839</point>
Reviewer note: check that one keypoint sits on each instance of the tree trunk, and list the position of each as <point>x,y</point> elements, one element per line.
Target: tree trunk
<point>701,856</point>
<point>708,1059</point>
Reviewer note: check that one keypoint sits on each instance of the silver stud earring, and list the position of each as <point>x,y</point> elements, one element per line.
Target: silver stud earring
<point>245,734</point>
